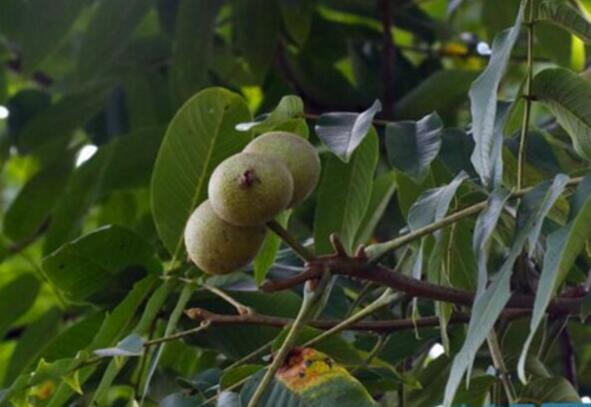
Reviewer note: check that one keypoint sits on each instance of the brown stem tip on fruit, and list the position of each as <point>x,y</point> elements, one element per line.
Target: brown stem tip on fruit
<point>248,178</point>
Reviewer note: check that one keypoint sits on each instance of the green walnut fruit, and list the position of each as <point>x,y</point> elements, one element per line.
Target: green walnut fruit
<point>297,154</point>
<point>250,189</point>
<point>218,247</point>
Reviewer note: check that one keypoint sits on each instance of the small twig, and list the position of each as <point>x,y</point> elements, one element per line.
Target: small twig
<point>240,308</point>
<point>204,325</point>
<point>289,240</point>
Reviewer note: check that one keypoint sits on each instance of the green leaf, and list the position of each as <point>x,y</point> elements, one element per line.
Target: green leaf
<point>193,45</point>
<point>56,18</point>
<point>549,390</point>
<point>566,95</point>
<point>486,158</point>
<point>381,194</point>
<point>485,226</point>
<point>31,343</point>
<point>131,345</point>
<point>297,19</point>
<point>74,337</point>
<point>350,185</point>
<point>489,304</point>
<point>107,34</point>
<point>314,380</point>
<point>256,26</point>
<point>586,307</point>
<point>17,296</point>
<point>442,92</point>
<point>63,117</point>
<point>236,374</point>
<point>35,201</point>
<point>563,247</point>
<point>198,138</point>
<point>268,252</point>
<point>289,107</point>
<point>477,394</point>
<point>433,204</point>
<point>100,265</point>
<point>343,132</point>
<point>565,16</point>
<point>412,146</point>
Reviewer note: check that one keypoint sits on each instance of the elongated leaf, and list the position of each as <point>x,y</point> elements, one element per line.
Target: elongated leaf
<point>17,296</point>
<point>35,201</point>
<point>442,92</point>
<point>550,390</point>
<point>434,203</point>
<point>193,45</point>
<point>564,245</point>
<point>488,305</point>
<point>100,264</point>
<point>566,95</point>
<point>199,137</point>
<point>412,146</point>
<point>266,256</point>
<point>350,185</point>
<point>311,380</point>
<point>381,193</point>
<point>486,157</point>
<point>56,18</point>
<point>343,132</point>
<point>565,16</point>
<point>132,345</point>
<point>108,33</point>
<point>289,107</point>
<point>297,19</point>
<point>31,343</point>
<point>485,226</point>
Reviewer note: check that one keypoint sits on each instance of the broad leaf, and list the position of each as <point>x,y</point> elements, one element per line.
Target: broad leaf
<point>108,32</point>
<point>350,185</point>
<point>199,137</point>
<point>266,255</point>
<point>381,194</point>
<point>434,203</point>
<point>412,146</point>
<point>56,18</point>
<point>343,132</point>
<point>490,303</point>
<point>289,107</point>
<point>563,247</point>
<point>550,390</point>
<point>486,157</point>
<point>562,14</point>
<point>485,226</point>
<point>566,94</point>
<point>193,45</point>
<point>297,19</point>
<point>310,380</point>
<point>100,265</point>
<point>17,296</point>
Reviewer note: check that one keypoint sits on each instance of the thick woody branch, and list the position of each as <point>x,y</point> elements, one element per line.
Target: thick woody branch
<point>358,268</point>
<point>383,326</point>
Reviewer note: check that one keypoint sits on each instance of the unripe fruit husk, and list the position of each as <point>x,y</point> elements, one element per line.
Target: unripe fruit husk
<point>250,189</point>
<point>297,154</point>
<point>218,247</point>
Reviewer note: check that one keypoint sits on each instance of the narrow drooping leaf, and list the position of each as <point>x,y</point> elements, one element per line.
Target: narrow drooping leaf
<point>566,94</point>
<point>193,45</point>
<point>266,256</point>
<point>112,24</point>
<point>350,185</point>
<point>17,296</point>
<point>412,146</point>
<point>310,378</point>
<point>486,157</point>
<point>289,107</point>
<point>132,345</point>
<point>563,247</point>
<point>343,132</point>
<point>565,16</point>
<point>199,137</point>
<point>100,265</point>
<point>434,203</point>
<point>490,303</point>
<point>485,226</point>
<point>381,193</point>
